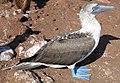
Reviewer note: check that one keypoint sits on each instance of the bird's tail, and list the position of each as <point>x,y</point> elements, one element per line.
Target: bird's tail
<point>23,66</point>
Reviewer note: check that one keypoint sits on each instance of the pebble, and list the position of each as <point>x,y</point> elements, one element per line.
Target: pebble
<point>21,50</point>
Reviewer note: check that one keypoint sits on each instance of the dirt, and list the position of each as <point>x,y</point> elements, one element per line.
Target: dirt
<point>50,18</point>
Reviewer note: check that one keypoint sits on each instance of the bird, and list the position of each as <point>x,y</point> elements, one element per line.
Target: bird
<point>70,48</point>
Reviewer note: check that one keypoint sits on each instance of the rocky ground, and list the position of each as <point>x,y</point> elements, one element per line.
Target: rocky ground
<point>48,19</point>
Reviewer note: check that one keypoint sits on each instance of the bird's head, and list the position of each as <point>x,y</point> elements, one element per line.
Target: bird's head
<point>95,8</point>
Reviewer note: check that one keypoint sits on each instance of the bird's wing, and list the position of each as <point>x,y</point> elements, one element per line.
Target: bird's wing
<point>65,50</point>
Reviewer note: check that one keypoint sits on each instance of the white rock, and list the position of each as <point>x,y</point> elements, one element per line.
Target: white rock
<point>19,10</point>
<point>31,51</point>
<point>32,41</point>
<point>25,76</point>
<point>21,50</point>
<point>6,53</point>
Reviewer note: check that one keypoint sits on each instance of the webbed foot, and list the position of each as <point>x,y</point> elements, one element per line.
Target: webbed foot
<point>80,72</point>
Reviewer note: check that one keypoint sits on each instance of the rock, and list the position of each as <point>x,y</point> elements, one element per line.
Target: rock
<point>25,76</point>
<point>6,53</point>
<point>31,51</point>
<point>46,78</point>
<point>21,50</point>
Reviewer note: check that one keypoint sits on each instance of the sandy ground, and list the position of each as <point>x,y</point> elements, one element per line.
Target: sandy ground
<point>50,18</point>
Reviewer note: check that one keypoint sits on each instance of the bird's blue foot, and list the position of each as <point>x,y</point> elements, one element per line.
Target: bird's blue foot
<point>80,72</point>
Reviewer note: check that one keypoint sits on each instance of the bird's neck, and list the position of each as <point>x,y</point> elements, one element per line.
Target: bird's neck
<point>90,24</point>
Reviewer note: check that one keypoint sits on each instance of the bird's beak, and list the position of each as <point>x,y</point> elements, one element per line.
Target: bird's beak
<point>101,8</point>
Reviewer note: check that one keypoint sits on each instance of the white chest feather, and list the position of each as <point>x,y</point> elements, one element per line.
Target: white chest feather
<point>91,25</point>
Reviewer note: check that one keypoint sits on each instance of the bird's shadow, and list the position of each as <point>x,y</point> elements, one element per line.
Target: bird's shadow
<point>98,52</point>
<point>20,39</point>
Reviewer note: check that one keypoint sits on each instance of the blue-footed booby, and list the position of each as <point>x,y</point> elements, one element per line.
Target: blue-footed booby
<point>71,48</point>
